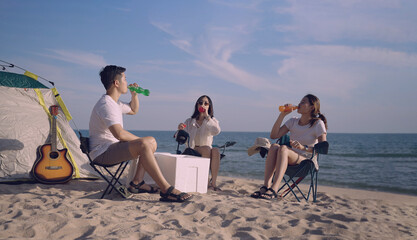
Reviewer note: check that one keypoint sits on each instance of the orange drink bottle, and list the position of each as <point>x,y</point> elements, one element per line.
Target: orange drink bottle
<point>287,108</point>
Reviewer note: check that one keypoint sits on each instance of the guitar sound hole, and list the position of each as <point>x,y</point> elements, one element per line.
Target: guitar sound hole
<point>53,155</point>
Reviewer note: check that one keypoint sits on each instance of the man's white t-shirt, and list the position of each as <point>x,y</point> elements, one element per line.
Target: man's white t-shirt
<point>105,113</point>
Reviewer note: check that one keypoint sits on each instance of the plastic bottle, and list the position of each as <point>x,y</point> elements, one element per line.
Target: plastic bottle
<point>139,90</point>
<point>287,108</point>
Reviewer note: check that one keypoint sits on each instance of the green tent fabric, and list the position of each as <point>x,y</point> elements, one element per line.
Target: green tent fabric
<point>19,81</point>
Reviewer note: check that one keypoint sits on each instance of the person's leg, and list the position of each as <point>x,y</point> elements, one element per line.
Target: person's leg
<point>137,184</point>
<point>205,151</point>
<point>214,167</point>
<point>145,148</point>
<point>140,174</point>
<point>214,155</point>
<point>285,156</point>
<point>270,164</point>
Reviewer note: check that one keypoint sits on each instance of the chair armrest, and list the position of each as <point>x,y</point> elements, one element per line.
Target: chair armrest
<point>85,145</point>
<point>284,140</point>
<point>322,147</point>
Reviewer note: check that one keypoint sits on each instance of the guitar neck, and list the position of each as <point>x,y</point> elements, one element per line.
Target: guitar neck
<point>53,134</point>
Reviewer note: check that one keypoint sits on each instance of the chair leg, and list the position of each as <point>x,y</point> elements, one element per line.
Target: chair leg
<point>115,178</point>
<point>291,188</point>
<point>299,190</point>
<point>315,187</point>
<point>311,187</point>
<point>294,186</point>
<point>117,175</point>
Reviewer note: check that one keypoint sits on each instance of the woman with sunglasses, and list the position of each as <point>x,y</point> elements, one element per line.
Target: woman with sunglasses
<point>201,127</point>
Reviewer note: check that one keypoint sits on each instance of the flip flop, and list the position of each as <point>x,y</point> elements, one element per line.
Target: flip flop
<point>171,197</point>
<point>269,196</point>
<point>135,188</point>
<point>257,194</point>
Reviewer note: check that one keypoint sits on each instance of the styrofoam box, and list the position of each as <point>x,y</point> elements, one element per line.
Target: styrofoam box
<point>185,173</point>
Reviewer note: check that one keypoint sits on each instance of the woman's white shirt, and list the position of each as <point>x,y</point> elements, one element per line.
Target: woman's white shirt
<point>305,135</point>
<point>202,135</point>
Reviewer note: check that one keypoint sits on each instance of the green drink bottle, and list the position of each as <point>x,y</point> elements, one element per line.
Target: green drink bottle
<point>139,90</point>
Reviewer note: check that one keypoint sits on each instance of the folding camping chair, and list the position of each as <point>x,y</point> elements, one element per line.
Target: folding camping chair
<point>113,178</point>
<point>297,173</point>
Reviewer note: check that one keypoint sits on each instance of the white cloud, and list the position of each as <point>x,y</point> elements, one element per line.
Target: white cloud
<point>77,57</point>
<point>248,4</point>
<point>338,71</point>
<point>374,55</point>
<point>164,67</point>
<point>165,27</point>
<point>182,44</point>
<point>385,21</point>
<point>213,49</point>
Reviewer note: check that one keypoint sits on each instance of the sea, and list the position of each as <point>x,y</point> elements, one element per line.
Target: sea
<point>376,162</point>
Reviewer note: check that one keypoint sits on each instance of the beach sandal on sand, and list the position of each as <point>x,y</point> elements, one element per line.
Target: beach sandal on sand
<point>135,188</point>
<point>211,187</point>
<point>269,196</point>
<point>214,188</point>
<point>171,197</point>
<point>124,191</point>
<point>257,194</point>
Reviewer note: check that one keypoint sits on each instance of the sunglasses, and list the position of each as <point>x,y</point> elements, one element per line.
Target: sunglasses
<point>205,103</point>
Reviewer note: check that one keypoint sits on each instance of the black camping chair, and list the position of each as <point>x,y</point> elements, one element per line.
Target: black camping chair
<point>113,178</point>
<point>181,136</point>
<point>224,146</point>
<point>297,173</point>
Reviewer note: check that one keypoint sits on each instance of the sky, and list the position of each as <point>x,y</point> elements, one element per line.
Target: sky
<point>359,57</point>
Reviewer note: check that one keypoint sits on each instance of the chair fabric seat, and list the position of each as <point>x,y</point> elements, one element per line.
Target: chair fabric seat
<point>104,165</point>
<point>299,170</point>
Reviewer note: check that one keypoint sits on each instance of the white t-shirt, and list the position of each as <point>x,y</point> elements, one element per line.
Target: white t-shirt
<point>305,135</point>
<point>105,113</point>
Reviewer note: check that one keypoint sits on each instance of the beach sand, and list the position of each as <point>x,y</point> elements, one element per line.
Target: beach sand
<point>75,211</point>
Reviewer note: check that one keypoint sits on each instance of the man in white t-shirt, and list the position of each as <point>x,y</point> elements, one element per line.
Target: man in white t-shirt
<point>110,143</point>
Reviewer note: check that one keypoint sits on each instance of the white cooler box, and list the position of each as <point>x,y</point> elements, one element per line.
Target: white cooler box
<point>185,173</point>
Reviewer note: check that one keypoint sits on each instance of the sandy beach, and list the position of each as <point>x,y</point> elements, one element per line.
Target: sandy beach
<point>74,211</point>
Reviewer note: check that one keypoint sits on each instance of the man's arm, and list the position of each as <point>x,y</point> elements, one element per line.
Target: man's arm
<point>121,134</point>
<point>134,104</point>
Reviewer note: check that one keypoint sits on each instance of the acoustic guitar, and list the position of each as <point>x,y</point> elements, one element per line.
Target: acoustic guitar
<point>52,165</point>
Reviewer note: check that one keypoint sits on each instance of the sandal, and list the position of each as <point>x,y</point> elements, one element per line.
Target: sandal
<point>171,197</point>
<point>214,188</point>
<point>135,188</point>
<point>257,194</point>
<point>269,196</point>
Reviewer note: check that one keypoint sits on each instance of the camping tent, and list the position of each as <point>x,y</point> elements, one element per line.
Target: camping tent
<point>25,125</point>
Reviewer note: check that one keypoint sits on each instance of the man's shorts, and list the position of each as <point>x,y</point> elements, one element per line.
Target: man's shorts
<point>115,153</point>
